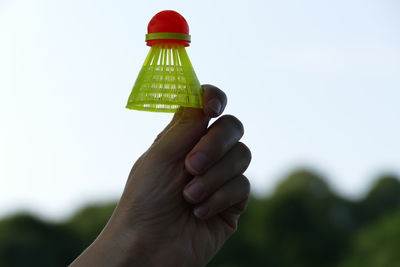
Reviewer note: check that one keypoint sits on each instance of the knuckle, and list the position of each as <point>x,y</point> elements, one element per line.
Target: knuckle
<point>243,157</point>
<point>245,151</point>
<point>233,122</point>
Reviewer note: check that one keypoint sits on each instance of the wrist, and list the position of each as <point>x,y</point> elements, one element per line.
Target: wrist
<point>135,247</point>
<point>123,246</point>
<point>113,247</point>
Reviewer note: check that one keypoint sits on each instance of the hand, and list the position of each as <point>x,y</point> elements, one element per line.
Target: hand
<point>184,195</point>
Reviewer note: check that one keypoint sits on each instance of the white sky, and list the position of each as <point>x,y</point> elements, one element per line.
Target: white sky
<point>316,83</point>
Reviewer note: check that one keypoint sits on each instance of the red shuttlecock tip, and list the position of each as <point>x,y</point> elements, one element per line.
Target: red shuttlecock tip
<point>168,27</point>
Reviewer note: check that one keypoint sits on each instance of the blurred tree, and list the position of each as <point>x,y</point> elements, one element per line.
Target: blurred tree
<point>245,247</point>
<point>302,224</point>
<point>27,241</point>
<point>381,200</point>
<point>87,223</point>
<point>377,245</point>
<point>306,224</point>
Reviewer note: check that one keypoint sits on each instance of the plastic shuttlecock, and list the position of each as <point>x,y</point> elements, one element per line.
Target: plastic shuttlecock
<point>167,79</point>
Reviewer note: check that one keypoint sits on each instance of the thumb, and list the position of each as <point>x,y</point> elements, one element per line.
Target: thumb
<point>186,128</point>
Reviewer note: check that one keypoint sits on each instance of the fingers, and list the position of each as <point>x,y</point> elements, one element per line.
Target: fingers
<point>217,161</point>
<point>188,125</point>
<point>180,137</point>
<point>232,214</point>
<point>175,118</point>
<point>231,193</point>
<point>214,101</point>
<point>220,138</point>
<point>234,163</point>
<point>214,104</point>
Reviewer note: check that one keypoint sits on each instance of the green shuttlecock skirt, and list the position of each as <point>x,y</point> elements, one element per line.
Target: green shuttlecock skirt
<point>166,81</point>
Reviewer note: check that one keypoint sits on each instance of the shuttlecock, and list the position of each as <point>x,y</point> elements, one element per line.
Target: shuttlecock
<point>167,79</point>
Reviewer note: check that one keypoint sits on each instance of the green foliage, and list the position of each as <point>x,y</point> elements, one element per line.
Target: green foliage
<point>377,244</point>
<point>307,223</point>
<point>245,247</point>
<point>87,223</point>
<point>303,223</point>
<point>28,241</point>
<point>382,199</point>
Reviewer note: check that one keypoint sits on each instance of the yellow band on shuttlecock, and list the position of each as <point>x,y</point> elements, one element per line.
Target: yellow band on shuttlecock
<point>167,35</point>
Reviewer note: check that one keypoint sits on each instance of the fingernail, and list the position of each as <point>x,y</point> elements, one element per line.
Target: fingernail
<point>197,161</point>
<point>215,105</point>
<point>195,191</point>
<point>201,211</point>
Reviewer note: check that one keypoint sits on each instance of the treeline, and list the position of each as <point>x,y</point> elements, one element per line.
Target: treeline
<point>302,224</point>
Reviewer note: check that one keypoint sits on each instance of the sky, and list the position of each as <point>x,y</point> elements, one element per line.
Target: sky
<point>315,83</point>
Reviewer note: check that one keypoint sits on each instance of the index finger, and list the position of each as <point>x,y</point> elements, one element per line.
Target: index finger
<point>214,101</point>
<point>214,104</point>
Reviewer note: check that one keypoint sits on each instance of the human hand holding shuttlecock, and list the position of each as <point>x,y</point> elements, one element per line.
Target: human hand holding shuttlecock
<point>184,195</point>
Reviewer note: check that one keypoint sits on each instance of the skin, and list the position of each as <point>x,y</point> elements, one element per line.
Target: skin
<point>184,195</point>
